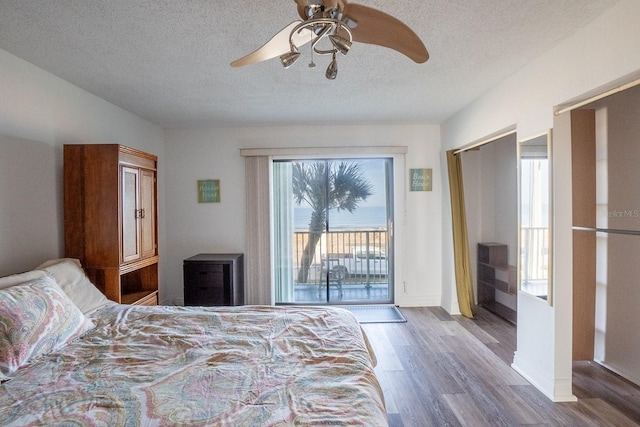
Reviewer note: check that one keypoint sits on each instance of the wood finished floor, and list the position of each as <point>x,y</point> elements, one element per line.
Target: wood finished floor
<point>442,370</point>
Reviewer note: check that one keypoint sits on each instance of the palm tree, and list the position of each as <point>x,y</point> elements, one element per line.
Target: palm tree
<point>325,186</point>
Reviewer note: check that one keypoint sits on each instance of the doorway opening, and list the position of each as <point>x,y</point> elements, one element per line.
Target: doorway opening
<point>491,197</point>
<point>333,227</point>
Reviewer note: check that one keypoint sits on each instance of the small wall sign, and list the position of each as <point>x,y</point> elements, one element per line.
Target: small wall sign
<point>420,179</point>
<point>209,191</point>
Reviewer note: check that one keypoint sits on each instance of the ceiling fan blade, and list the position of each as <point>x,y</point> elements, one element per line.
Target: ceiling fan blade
<point>330,4</point>
<point>301,11</point>
<point>376,27</point>
<point>278,45</point>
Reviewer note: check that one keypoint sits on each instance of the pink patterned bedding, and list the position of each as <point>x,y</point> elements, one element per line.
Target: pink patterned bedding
<point>231,366</point>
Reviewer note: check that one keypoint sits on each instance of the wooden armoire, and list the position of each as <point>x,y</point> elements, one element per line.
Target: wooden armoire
<point>110,219</point>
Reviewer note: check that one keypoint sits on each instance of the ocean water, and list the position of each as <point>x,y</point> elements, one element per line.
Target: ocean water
<point>374,217</point>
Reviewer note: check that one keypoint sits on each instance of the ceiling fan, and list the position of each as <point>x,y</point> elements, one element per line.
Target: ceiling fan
<point>331,26</point>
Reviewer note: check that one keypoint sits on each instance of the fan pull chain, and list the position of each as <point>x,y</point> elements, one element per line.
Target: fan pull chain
<point>312,64</point>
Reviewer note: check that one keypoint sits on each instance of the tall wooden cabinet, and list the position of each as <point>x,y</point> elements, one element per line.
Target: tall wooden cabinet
<point>110,219</point>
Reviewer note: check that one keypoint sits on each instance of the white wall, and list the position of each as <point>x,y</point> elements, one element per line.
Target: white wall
<point>602,52</point>
<point>505,201</point>
<point>491,194</point>
<point>220,227</point>
<point>38,114</point>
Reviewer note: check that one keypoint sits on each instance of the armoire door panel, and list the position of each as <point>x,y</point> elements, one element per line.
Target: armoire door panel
<point>148,214</point>
<point>130,215</point>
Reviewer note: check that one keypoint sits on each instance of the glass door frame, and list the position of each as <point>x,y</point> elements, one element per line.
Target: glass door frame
<point>396,200</point>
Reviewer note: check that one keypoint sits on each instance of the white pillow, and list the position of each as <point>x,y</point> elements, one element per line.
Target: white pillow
<point>36,318</point>
<point>69,275</point>
<point>17,279</point>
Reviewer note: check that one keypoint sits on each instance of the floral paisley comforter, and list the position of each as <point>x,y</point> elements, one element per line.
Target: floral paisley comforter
<point>230,366</point>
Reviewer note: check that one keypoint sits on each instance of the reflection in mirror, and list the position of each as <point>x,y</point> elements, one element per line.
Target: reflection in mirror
<point>534,215</point>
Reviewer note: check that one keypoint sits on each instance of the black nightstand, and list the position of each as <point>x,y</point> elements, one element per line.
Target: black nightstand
<point>214,279</point>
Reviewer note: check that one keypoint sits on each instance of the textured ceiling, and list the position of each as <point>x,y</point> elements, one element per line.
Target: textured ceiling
<point>168,60</point>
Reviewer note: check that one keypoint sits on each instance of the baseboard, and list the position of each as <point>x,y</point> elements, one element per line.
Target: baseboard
<point>428,301</point>
<point>557,390</point>
<point>626,375</point>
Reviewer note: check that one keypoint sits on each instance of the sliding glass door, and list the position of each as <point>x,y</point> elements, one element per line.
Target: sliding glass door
<point>333,231</point>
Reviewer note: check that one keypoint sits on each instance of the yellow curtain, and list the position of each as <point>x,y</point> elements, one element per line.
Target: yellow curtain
<point>464,281</point>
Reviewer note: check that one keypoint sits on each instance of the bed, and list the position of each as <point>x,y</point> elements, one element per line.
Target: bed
<point>106,364</point>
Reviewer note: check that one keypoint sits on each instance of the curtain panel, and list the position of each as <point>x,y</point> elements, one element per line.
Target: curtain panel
<point>258,286</point>
<point>462,259</point>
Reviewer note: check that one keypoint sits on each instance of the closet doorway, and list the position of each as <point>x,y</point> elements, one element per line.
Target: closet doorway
<point>491,203</point>
<point>603,136</point>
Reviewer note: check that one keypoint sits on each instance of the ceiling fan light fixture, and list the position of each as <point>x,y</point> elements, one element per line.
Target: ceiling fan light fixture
<point>342,23</point>
<point>332,69</point>
<point>341,44</point>
<point>289,58</point>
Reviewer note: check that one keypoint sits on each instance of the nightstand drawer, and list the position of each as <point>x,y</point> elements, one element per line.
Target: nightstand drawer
<point>214,279</point>
<point>204,276</point>
<point>206,296</point>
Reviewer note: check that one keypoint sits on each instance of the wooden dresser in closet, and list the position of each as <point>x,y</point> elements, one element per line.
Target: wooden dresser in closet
<point>497,287</point>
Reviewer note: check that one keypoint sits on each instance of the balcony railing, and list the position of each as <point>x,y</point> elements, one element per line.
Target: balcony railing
<point>348,257</point>
<point>534,260</point>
